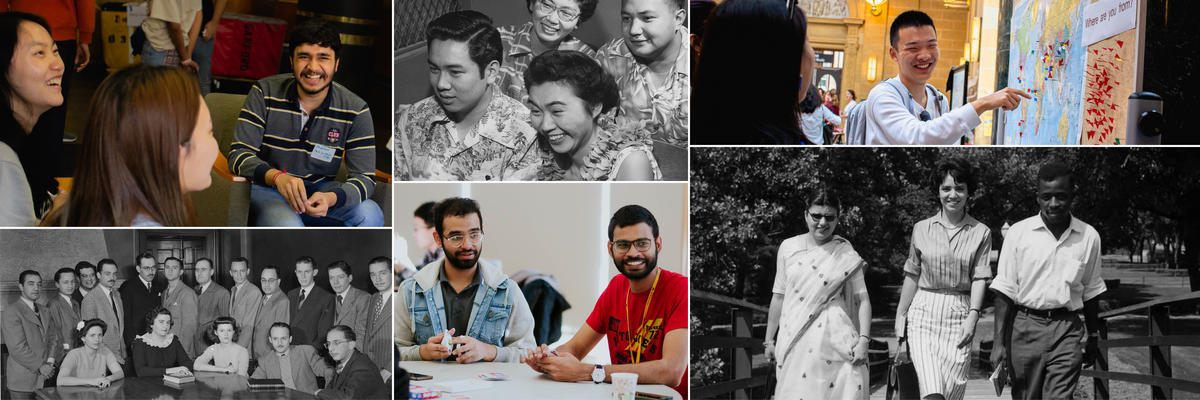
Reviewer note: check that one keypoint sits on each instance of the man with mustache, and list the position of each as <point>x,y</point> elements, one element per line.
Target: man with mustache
<point>642,313</point>
<point>294,133</point>
<point>469,130</point>
<point>459,281</point>
<point>907,111</point>
<point>1049,272</point>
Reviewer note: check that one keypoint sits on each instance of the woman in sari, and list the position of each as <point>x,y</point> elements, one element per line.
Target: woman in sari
<point>821,348</point>
<point>944,279</point>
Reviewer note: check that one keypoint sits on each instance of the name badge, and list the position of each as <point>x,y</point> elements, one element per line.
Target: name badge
<point>323,153</point>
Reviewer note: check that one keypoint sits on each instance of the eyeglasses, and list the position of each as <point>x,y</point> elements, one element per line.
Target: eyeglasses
<point>826,217</point>
<point>457,241</point>
<point>564,14</point>
<point>622,246</point>
<point>331,343</point>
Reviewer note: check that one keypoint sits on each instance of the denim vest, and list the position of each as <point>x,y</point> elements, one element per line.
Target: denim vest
<point>487,323</point>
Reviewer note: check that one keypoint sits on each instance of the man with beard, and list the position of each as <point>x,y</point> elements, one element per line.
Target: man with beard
<point>296,130</point>
<point>460,281</point>
<point>468,130</point>
<point>1049,272</point>
<point>642,312</point>
<point>87,280</point>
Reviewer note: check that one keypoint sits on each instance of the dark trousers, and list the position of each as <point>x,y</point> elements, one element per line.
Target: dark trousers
<point>1046,355</point>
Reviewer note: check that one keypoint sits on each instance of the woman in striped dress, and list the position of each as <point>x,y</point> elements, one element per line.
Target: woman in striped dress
<point>944,281</point>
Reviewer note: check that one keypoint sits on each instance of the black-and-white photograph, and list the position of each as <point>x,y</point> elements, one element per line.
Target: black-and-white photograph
<point>945,272</point>
<point>196,313</point>
<point>579,90</point>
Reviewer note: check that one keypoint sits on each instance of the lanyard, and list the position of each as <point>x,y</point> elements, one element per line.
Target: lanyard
<point>629,322</point>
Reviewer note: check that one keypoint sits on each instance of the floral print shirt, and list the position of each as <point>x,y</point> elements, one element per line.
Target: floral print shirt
<point>518,52</point>
<point>663,110</point>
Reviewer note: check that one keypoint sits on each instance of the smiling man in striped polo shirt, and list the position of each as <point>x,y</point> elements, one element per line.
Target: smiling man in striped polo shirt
<point>295,131</point>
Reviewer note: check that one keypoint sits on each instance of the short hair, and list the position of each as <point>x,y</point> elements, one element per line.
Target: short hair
<point>381,259</point>
<point>587,8</point>
<point>144,255</point>
<point>107,261</point>
<point>82,265</point>
<point>26,273</point>
<point>239,260</point>
<point>316,31</point>
<point>1053,170</point>
<point>907,19</point>
<point>153,314</point>
<point>630,215</point>
<point>959,169</point>
<point>585,76</point>
<point>824,198</point>
<point>342,265</point>
<point>87,326</point>
<point>454,207</point>
<point>283,325</point>
<point>270,267</point>
<point>173,259</point>
<point>425,212</point>
<point>305,260</point>
<point>211,334</point>
<point>345,330</point>
<point>63,270</point>
<point>470,27</point>
<point>210,262</point>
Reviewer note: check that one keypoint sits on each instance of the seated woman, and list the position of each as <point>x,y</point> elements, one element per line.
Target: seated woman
<point>32,76</point>
<point>551,23</point>
<point>90,364</point>
<point>568,94</point>
<point>148,144</point>
<point>158,351</point>
<point>224,355</point>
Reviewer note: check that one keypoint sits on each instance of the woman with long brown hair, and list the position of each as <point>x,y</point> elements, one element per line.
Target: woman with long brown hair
<point>147,145</point>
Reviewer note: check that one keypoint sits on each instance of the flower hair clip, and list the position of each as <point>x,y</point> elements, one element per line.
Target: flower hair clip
<point>79,326</point>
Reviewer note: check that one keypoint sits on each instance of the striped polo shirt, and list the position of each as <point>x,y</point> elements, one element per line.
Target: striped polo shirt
<point>949,258</point>
<point>273,132</point>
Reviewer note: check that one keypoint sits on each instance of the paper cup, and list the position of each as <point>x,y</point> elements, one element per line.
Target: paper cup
<point>624,385</point>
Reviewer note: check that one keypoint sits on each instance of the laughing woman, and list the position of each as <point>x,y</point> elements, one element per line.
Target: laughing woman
<point>550,27</point>
<point>822,349</point>
<point>944,280</point>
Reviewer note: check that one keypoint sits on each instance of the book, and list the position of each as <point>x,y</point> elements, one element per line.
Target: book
<point>999,379</point>
<point>178,378</point>
<point>265,383</point>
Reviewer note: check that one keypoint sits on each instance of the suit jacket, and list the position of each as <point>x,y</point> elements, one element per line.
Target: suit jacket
<point>210,304</point>
<point>138,302</point>
<point>64,315</point>
<point>353,311</point>
<point>306,367</point>
<point>98,305</point>
<point>78,295</point>
<point>274,309</point>
<point>181,302</point>
<point>359,379</point>
<point>244,309</point>
<point>313,319</point>
<point>31,342</point>
<point>377,342</point>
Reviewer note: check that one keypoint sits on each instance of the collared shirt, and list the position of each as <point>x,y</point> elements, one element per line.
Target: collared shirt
<point>890,121</point>
<point>501,146</point>
<point>67,298</point>
<point>148,284</point>
<point>944,257</point>
<point>28,302</point>
<point>204,287</point>
<point>307,290</point>
<point>83,292</point>
<point>1042,272</point>
<point>458,304</point>
<point>518,52</point>
<point>662,110</point>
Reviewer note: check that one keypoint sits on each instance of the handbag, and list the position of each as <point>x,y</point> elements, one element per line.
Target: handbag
<point>902,376</point>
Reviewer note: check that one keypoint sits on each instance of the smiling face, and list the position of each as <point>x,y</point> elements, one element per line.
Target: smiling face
<point>466,255</point>
<point>87,278</point>
<point>1054,198</point>
<point>822,221</point>
<point>459,85</point>
<point>916,51</point>
<point>36,70</point>
<point>562,117</point>
<point>642,255</point>
<point>953,195</point>
<point>548,22</point>
<point>197,155</point>
<point>649,27</point>
<point>314,66</point>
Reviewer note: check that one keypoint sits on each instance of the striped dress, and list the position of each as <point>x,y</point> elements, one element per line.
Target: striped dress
<point>945,260</point>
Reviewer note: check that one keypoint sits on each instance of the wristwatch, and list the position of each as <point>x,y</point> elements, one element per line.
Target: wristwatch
<point>598,374</point>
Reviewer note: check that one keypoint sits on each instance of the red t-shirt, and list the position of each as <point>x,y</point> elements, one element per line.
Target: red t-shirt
<point>668,311</point>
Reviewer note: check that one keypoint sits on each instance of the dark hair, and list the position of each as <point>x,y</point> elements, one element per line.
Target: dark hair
<point>100,265</point>
<point>63,270</point>
<point>316,31</point>
<point>279,325</point>
<point>824,198</point>
<point>82,265</point>
<point>239,260</point>
<point>210,262</point>
<point>1053,170</point>
<point>175,259</point>
<point>470,27</point>
<point>737,31</point>
<point>210,335</point>
<point>345,330</point>
<point>144,255</point>
<point>381,259</point>
<point>630,215</point>
<point>425,212</point>
<point>26,273</point>
<point>584,75</point>
<point>852,95</point>
<point>40,178</point>
<point>342,265</point>
<point>270,267</point>
<point>454,207</point>
<point>87,326</point>
<point>959,169</point>
<point>811,101</point>
<point>910,18</point>
<point>153,314</point>
<point>587,8</point>
<point>306,260</point>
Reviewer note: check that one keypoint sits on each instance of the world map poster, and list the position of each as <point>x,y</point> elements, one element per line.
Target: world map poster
<point>1048,61</point>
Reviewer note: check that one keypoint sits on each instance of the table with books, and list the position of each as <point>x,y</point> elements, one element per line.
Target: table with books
<point>522,382</point>
<point>208,385</point>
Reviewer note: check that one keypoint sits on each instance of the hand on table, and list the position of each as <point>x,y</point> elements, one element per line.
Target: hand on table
<point>565,368</point>
<point>535,356</point>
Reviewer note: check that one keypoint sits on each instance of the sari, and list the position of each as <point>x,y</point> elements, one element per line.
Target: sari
<point>818,328</point>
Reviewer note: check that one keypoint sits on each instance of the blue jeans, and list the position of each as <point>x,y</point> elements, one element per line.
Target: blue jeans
<point>202,54</point>
<point>150,56</point>
<point>269,208</point>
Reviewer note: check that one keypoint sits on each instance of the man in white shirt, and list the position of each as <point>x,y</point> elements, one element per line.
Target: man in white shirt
<point>920,115</point>
<point>1049,271</point>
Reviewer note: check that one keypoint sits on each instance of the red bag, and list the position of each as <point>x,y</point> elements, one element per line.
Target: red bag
<point>248,46</point>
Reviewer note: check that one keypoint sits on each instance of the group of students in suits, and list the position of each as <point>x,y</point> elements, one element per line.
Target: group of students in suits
<point>92,332</point>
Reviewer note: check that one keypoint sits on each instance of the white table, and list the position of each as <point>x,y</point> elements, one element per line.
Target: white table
<point>525,383</point>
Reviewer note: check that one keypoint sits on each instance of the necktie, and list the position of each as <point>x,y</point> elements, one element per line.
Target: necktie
<point>302,293</point>
<point>339,299</point>
<point>37,312</point>
<point>233,296</point>
<point>113,298</point>
<point>378,305</point>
